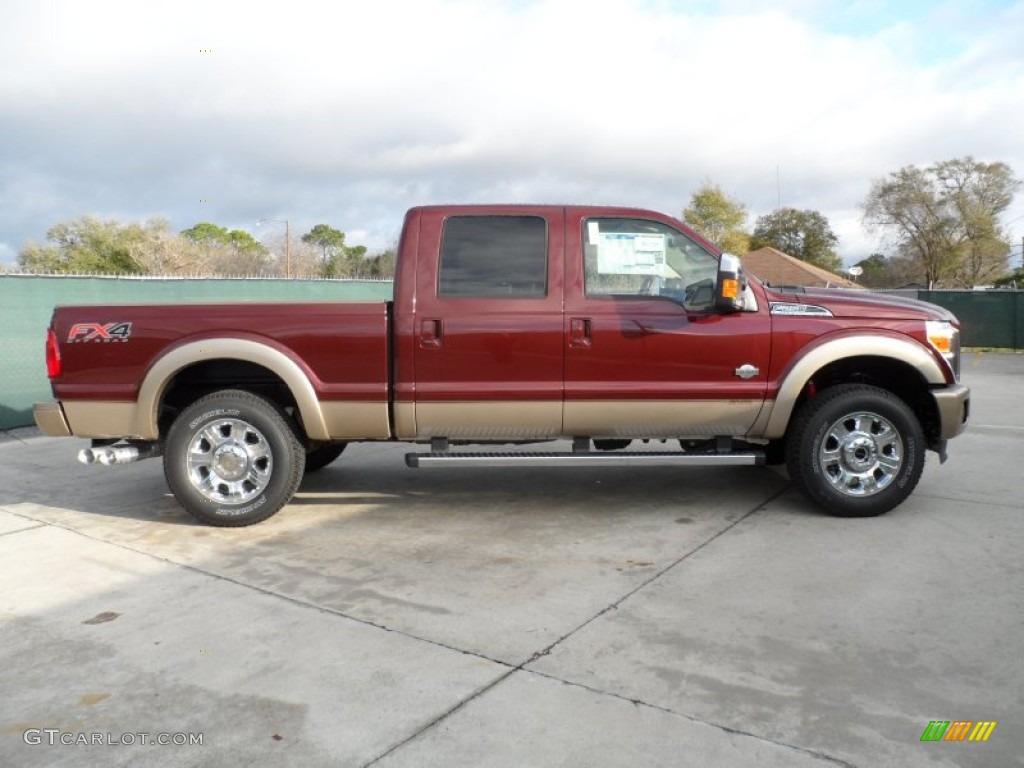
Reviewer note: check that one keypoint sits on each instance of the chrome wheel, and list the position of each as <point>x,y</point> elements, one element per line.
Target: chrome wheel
<point>861,454</point>
<point>229,461</point>
<point>855,449</point>
<point>233,458</point>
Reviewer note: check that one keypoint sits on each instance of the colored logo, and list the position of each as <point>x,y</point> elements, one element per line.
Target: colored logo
<point>82,332</point>
<point>958,730</point>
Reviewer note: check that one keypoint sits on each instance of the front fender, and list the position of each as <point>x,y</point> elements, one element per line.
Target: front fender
<point>773,421</point>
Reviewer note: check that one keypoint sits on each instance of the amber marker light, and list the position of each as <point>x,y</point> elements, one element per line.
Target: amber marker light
<point>730,288</point>
<point>945,338</point>
<point>940,336</point>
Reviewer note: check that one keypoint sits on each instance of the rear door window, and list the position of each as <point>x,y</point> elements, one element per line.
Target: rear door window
<point>494,257</point>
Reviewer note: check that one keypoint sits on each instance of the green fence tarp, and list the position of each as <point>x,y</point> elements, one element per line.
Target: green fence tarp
<point>987,318</point>
<point>27,302</point>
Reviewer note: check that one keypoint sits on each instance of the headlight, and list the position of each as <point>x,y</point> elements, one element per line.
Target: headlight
<point>945,338</point>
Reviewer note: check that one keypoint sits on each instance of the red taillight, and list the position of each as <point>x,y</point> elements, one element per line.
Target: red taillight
<point>52,355</point>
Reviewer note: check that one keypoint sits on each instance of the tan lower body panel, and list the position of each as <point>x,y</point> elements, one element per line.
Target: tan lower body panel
<point>90,418</point>
<point>761,426</point>
<point>405,420</point>
<point>345,420</point>
<point>355,420</point>
<point>659,418</point>
<point>49,417</point>
<point>519,420</point>
<point>953,404</point>
<point>507,420</point>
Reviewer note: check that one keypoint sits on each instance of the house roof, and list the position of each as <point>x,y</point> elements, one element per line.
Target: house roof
<point>774,267</point>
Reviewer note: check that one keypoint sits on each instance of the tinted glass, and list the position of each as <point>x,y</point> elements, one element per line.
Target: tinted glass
<point>494,256</point>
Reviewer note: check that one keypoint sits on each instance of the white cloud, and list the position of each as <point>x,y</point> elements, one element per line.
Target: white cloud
<point>350,112</point>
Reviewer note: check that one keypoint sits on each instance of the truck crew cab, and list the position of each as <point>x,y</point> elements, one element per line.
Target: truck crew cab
<point>515,324</point>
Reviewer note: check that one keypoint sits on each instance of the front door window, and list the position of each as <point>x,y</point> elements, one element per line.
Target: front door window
<point>634,257</point>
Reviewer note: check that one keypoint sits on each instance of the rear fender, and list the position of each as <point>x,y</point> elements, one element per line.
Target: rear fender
<point>166,367</point>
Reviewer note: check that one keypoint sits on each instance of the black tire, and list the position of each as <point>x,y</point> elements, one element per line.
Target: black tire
<point>775,453</point>
<point>856,450</point>
<point>233,458</point>
<point>611,444</point>
<point>320,457</point>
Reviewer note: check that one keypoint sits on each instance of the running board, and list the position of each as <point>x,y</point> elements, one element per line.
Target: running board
<point>591,459</point>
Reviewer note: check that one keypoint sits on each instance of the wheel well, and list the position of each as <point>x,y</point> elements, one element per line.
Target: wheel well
<point>896,376</point>
<point>199,379</point>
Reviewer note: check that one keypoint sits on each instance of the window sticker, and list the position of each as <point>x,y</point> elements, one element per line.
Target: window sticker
<point>630,253</point>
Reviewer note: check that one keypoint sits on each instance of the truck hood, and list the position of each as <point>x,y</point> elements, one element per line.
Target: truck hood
<point>863,304</point>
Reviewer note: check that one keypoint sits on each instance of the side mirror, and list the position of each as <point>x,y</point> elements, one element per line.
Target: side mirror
<point>729,285</point>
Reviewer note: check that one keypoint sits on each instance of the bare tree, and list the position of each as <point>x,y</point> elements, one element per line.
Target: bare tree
<point>945,218</point>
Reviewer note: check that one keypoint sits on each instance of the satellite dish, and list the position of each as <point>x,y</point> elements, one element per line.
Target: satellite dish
<point>856,271</point>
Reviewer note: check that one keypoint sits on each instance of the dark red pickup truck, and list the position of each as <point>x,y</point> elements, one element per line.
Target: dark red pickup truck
<point>517,324</point>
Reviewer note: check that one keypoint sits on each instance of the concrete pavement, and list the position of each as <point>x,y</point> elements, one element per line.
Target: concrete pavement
<point>516,617</point>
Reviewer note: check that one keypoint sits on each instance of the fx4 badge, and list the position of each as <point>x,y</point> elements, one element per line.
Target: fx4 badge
<point>111,332</point>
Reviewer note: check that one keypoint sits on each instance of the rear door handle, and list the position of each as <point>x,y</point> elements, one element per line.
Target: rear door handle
<point>580,332</point>
<point>430,333</point>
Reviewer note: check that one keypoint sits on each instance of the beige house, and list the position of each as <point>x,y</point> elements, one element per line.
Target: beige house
<point>777,268</point>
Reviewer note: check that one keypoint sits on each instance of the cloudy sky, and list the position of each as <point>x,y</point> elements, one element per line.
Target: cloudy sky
<point>349,112</point>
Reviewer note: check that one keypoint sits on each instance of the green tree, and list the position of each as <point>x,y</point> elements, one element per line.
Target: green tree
<point>946,218</point>
<point>84,245</point>
<point>875,271</point>
<point>805,235</point>
<point>1013,280</point>
<point>353,262</point>
<point>208,233</point>
<point>228,252</point>
<point>336,259</point>
<point>242,242</point>
<point>331,243</point>
<point>382,265</point>
<point>881,271</point>
<point>248,255</point>
<point>36,257</point>
<point>718,218</point>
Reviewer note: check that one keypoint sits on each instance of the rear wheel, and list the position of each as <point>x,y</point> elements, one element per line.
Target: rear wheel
<point>856,450</point>
<point>233,458</point>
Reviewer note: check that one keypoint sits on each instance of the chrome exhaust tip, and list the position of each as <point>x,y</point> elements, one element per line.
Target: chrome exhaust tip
<point>118,454</point>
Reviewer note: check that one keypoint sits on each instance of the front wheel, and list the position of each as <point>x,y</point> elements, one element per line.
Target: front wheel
<point>856,450</point>
<point>232,458</point>
<point>320,457</point>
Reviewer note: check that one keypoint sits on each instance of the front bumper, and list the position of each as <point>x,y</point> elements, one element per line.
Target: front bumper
<point>954,405</point>
<point>51,420</point>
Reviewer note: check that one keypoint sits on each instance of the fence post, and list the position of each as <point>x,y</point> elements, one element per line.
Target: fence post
<point>1016,319</point>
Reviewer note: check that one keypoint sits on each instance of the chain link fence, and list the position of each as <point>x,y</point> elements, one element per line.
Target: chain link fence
<point>27,302</point>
